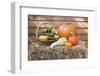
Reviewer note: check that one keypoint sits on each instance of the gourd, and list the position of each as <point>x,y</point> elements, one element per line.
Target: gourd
<point>48,32</point>
<point>56,36</point>
<point>60,41</point>
<point>44,38</point>
<point>66,30</point>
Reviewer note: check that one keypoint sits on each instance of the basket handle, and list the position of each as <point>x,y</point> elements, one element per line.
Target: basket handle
<point>43,24</point>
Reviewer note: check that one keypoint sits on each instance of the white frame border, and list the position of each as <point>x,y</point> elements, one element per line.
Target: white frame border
<point>16,34</point>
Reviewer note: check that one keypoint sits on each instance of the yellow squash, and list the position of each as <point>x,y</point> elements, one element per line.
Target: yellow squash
<point>44,38</point>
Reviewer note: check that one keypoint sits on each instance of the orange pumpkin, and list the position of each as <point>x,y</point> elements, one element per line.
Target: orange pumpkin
<point>66,30</point>
<point>68,44</point>
<point>73,39</point>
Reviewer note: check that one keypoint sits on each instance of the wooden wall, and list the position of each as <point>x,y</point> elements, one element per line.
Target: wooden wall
<point>80,22</point>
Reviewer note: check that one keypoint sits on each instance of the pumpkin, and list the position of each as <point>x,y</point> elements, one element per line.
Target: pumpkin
<point>66,30</point>
<point>73,39</point>
<point>68,44</point>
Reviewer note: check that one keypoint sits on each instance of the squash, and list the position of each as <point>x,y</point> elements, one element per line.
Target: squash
<point>66,30</point>
<point>48,32</point>
<point>56,36</point>
<point>60,41</point>
<point>44,38</point>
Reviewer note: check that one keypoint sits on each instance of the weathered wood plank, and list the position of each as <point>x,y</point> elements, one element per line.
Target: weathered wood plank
<point>80,30</point>
<point>83,37</point>
<point>56,24</point>
<point>43,18</point>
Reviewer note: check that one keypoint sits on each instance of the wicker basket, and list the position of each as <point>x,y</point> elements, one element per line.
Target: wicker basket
<point>44,25</point>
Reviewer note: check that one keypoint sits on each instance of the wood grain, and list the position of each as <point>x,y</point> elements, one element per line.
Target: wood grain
<point>54,18</point>
<point>81,23</point>
<point>33,30</point>
<point>57,23</point>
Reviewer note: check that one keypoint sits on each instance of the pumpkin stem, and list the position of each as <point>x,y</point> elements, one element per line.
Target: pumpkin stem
<point>71,33</point>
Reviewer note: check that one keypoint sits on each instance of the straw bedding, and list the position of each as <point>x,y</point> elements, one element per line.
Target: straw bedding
<point>44,52</point>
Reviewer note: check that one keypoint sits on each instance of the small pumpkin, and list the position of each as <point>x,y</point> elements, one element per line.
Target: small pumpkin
<point>73,39</point>
<point>66,30</point>
<point>68,44</point>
